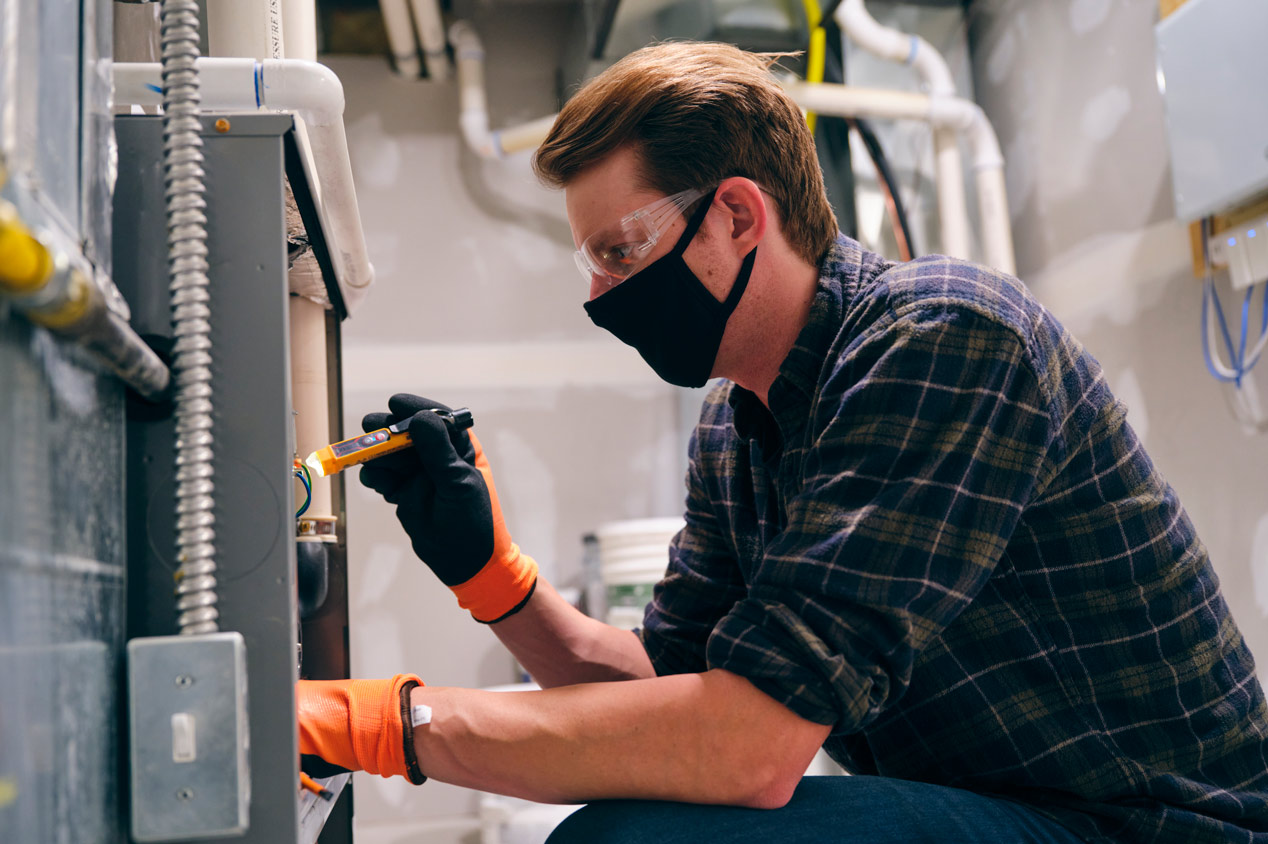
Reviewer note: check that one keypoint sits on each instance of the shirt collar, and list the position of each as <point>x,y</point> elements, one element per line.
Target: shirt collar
<point>798,379</point>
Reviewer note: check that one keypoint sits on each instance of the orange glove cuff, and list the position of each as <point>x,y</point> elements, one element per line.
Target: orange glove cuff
<point>500,588</point>
<point>507,580</point>
<point>361,725</point>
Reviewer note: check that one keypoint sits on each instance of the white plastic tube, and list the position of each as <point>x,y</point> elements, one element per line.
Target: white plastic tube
<point>315,93</point>
<point>299,29</point>
<point>245,29</point>
<point>400,38</point>
<point>949,114</point>
<point>473,107</point>
<point>863,29</point>
<point>431,35</point>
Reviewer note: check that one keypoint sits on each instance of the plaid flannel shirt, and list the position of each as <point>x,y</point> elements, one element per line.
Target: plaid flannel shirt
<point>945,540</point>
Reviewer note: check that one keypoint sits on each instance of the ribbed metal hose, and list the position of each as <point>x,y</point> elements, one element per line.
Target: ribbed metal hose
<point>191,366</point>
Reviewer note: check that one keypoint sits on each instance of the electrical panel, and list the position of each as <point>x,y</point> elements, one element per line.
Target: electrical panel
<point>1211,70</point>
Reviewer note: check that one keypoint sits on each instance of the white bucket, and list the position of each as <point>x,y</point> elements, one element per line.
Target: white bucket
<point>633,556</point>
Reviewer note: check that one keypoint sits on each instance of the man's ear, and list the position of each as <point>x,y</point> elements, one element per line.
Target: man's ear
<point>746,224</point>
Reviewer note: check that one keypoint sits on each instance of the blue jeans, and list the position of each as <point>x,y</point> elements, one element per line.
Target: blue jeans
<point>850,810</point>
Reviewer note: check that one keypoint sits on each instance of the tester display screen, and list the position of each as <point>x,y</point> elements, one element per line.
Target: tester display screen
<point>348,447</point>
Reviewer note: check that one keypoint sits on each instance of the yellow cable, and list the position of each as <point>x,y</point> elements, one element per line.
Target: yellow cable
<point>817,53</point>
<point>813,13</point>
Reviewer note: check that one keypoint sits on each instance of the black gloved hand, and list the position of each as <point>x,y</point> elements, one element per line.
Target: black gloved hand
<point>440,496</point>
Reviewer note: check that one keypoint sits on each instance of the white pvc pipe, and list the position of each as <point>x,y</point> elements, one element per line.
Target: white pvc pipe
<point>431,35</point>
<point>473,107</point>
<point>862,28</point>
<point>244,29</point>
<point>526,135</point>
<point>949,114</point>
<point>299,29</point>
<point>400,38</point>
<point>312,90</point>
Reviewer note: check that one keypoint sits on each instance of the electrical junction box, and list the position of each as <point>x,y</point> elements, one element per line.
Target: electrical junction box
<point>187,702</point>
<point>1212,68</point>
<point>1244,249</point>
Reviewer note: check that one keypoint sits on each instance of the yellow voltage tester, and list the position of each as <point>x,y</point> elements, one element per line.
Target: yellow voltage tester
<point>339,456</point>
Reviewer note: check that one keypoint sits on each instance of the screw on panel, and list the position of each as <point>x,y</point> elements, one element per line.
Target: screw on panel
<point>222,125</point>
<point>184,681</point>
<point>185,794</point>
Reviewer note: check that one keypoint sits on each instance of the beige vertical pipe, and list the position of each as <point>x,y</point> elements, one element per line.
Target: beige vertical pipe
<point>310,368</point>
<point>309,393</point>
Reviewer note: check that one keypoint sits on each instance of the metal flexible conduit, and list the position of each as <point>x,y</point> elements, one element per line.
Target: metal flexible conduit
<point>191,366</point>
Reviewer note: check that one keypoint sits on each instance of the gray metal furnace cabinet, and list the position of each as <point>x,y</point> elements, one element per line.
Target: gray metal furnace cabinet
<point>254,436</point>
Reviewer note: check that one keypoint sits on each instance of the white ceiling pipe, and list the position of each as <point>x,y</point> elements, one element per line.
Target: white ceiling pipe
<point>400,38</point>
<point>315,93</point>
<point>950,114</point>
<point>863,29</point>
<point>431,35</point>
<point>473,113</point>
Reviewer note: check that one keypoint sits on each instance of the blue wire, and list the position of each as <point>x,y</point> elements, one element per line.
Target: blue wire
<point>1242,368</point>
<point>1263,329</point>
<point>1208,290</point>
<point>308,493</point>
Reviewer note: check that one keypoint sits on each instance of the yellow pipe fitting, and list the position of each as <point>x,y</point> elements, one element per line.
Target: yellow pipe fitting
<point>25,263</point>
<point>69,308</point>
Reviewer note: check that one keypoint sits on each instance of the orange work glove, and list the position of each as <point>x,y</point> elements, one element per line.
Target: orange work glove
<point>508,579</point>
<point>361,725</point>
<point>445,499</point>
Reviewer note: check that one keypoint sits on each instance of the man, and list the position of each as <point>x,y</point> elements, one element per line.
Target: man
<point>919,533</point>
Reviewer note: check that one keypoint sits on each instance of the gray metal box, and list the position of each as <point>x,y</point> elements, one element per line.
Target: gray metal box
<point>1212,64</point>
<point>187,702</point>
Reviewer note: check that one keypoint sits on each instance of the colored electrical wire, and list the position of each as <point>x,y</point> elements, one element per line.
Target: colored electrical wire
<point>299,464</point>
<point>834,71</point>
<point>301,474</point>
<point>817,52</point>
<point>1240,360</point>
<point>889,187</point>
<point>1214,365</point>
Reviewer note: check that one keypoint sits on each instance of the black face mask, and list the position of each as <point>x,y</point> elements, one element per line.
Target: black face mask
<point>665,313</point>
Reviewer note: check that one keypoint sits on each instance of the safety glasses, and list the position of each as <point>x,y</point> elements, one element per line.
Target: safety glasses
<point>618,251</point>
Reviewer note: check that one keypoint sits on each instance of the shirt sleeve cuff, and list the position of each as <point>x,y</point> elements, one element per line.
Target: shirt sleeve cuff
<point>768,644</point>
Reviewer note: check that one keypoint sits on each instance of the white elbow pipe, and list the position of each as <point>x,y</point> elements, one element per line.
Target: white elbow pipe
<point>934,72</point>
<point>431,35</point>
<point>945,114</point>
<point>400,38</point>
<point>856,22</point>
<point>966,117</point>
<point>315,93</point>
<point>473,106</point>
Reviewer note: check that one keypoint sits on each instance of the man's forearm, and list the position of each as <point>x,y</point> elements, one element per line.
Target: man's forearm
<point>703,738</point>
<point>559,645</point>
